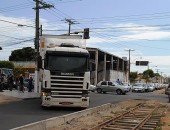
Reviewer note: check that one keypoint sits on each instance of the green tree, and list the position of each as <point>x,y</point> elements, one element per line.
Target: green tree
<point>133,76</point>
<point>24,54</point>
<point>6,64</point>
<point>147,74</point>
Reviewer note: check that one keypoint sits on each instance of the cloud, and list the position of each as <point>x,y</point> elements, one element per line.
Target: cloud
<point>151,35</point>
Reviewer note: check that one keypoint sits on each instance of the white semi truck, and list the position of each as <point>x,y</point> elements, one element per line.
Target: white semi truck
<point>64,75</point>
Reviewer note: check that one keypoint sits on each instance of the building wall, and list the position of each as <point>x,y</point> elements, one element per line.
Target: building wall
<point>114,75</point>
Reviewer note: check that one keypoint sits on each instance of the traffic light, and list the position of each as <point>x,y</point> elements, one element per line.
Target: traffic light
<point>86,33</point>
<point>142,63</point>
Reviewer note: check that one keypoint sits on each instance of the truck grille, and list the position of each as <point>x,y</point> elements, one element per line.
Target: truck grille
<point>66,86</point>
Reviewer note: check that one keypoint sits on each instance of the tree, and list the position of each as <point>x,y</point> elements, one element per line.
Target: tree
<point>24,54</point>
<point>6,64</point>
<point>133,76</point>
<point>147,74</point>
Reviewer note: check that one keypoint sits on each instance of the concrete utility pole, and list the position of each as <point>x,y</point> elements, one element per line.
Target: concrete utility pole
<point>70,22</point>
<point>157,76</point>
<point>39,5</point>
<point>129,50</point>
<point>161,77</point>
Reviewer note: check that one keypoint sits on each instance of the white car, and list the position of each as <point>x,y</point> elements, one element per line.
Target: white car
<point>92,88</point>
<point>138,87</point>
<point>109,86</point>
<point>151,87</point>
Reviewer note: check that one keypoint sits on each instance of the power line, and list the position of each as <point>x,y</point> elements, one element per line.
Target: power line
<point>18,24</point>
<point>15,43</point>
<point>12,37</point>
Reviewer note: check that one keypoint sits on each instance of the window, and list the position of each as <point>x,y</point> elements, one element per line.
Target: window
<point>110,83</point>
<point>104,83</point>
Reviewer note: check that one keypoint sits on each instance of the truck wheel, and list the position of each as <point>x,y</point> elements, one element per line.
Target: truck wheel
<point>119,92</point>
<point>99,90</point>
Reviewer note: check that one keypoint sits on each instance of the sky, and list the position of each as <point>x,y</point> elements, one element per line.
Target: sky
<point>115,25</point>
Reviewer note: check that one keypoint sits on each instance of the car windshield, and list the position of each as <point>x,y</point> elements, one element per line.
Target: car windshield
<point>138,85</point>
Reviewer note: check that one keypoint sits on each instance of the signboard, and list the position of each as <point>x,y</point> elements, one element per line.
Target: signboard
<point>142,63</point>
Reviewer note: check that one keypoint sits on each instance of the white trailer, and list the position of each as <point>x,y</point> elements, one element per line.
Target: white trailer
<point>64,76</point>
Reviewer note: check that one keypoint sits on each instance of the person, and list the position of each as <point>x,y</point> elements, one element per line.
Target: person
<point>11,82</point>
<point>17,83</point>
<point>30,87</point>
<point>1,82</point>
<point>118,81</point>
<point>21,81</point>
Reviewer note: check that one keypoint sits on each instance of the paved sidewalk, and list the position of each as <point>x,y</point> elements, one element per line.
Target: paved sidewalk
<point>21,95</point>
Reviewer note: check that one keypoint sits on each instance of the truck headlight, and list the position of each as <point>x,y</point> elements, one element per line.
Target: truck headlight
<point>46,94</point>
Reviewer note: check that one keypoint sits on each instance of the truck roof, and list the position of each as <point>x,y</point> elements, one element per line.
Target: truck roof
<point>68,49</point>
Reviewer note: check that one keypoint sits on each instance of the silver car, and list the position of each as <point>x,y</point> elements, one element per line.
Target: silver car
<point>138,87</point>
<point>109,86</point>
<point>92,88</point>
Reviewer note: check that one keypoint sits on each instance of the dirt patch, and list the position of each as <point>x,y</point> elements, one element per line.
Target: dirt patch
<point>161,91</point>
<point>165,120</point>
<point>7,99</point>
<point>92,120</point>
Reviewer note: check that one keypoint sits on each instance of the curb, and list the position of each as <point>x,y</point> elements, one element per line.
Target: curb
<point>61,120</point>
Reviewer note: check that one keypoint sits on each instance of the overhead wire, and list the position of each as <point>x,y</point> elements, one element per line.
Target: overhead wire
<point>16,43</point>
<point>165,25</point>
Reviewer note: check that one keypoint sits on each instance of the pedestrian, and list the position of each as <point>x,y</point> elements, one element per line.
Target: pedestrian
<point>118,81</point>
<point>1,82</point>
<point>17,83</point>
<point>11,82</point>
<point>30,87</point>
<point>21,82</point>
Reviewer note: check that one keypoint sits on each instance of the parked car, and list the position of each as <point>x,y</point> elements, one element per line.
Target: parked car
<point>92,88</point>
<point>109,86</point>
<point>167,90</point>
<point>138,87</point>
<point>151,87</point>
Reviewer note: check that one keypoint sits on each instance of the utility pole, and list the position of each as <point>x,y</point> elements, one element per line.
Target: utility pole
<point>157,74</point>
<point>161,78</point>
<point>148,64</point>
<point>70,22</point>
<point>129,50</point>
<point>40,4</point>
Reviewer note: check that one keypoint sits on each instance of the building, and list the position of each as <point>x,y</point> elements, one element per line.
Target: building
<point>106,66</point>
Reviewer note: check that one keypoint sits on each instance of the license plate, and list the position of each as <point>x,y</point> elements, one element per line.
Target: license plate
<point>65,103</point>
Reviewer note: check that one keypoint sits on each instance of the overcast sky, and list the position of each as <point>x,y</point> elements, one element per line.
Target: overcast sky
<point>115,25</point>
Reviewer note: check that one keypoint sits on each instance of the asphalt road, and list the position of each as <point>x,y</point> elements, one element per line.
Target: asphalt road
<point>24,112</point>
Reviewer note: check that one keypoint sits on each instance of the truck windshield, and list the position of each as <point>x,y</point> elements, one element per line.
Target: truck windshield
<point>67,63</point>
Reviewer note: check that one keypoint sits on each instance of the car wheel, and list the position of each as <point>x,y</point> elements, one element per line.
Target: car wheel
<point>119,92</point>
<point>99,90</point>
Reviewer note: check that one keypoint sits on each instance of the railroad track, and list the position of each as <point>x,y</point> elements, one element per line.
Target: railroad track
<point>141,117</point>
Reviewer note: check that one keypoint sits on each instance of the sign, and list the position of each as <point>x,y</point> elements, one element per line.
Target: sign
<point>142,63</point>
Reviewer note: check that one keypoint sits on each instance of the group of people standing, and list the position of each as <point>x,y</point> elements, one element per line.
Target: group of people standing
<point>19,83</point>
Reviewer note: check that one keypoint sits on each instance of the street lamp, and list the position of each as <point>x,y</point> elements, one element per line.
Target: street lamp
<point>129,50</point>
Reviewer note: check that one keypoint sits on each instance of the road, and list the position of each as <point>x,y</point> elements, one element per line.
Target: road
<point>23,112</point>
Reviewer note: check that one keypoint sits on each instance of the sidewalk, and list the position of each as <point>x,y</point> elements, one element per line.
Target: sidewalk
<point>21,95</point>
